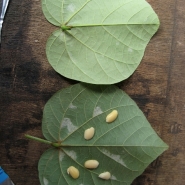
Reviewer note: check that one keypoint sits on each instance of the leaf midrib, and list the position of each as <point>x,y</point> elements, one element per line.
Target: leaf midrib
<point>73,145</point>
<point>118,24</point>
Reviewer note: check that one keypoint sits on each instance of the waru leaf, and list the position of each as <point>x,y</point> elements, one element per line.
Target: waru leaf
<point>99,42</point>
<point>124,147</point>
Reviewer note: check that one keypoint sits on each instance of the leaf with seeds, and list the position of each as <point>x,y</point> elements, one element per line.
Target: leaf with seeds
<point>124,147</point>
<point>98,42</point>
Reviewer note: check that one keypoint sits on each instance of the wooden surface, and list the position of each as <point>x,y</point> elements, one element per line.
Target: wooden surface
<point>27,81</point>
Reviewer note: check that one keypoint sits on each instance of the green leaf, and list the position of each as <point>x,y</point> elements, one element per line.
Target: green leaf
<point>124,147</point>
<point>99,42</point>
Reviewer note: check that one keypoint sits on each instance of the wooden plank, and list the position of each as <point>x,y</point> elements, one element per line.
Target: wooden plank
<point>27,81</point>
<point>173,129</point>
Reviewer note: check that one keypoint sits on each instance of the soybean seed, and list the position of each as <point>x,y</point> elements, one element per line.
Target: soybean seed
<point>112,116</point>
<point>91,164</point>
<point>105,175</point>
<point>74,172</point>
<point>89,133</point>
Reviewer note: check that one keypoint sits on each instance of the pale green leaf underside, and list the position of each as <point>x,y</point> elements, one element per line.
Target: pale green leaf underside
<point>107,40</point>
<point>124,148</point>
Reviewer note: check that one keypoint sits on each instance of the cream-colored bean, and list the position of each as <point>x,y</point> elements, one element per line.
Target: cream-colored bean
<point>112,116</point>
<point>74,172</point>
<point>105,175</point>
<point>89,133</point>
<point>91,164</point>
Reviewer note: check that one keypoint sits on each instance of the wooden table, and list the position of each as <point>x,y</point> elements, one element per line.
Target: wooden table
<point>27,81</point>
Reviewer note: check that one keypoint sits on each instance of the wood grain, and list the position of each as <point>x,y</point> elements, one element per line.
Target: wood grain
<point>27,81</point>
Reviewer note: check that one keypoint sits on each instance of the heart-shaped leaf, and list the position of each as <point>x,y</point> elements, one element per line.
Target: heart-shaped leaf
<point>124,147</point>
<point>99,42</point>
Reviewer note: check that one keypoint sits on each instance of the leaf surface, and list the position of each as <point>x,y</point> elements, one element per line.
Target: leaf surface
<point>124,147</point>
<point>106,41</point>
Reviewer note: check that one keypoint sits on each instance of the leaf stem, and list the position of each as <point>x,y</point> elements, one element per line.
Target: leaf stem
<point>64,27</point>
<point>38,139</point>
<point>43,141</point>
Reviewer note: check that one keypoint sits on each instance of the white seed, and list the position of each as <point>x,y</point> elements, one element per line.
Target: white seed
<point>91,164</point>
<point>112,116</point>
<point>105,175</point>
<point>89,133</point>
<point>73,172</point>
